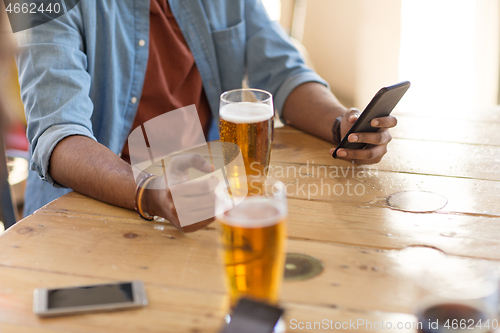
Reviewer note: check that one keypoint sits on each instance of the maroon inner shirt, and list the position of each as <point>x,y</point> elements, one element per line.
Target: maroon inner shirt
<point>172,78</point>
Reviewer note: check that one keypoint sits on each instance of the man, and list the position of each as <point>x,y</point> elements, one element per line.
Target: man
<point>91,76</point>
<point>6,54</point>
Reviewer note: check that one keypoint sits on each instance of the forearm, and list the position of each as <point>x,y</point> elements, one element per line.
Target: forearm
<point>312,108</point>
<point>92,169</point>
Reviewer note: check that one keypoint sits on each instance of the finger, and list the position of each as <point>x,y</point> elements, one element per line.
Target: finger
<point>348,120</point>
<point>379,138</point>
<point>352,115</point>
<point>384,122</point>
<point>169,212</point>
<point>369,154</point>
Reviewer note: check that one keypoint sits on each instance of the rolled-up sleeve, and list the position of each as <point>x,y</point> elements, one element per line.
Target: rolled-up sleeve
<point>55,86</point>
<point>273,63</point>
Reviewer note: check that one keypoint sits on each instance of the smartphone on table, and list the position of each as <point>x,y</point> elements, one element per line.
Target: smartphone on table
<point>381,105</point>
<point>91,298</point>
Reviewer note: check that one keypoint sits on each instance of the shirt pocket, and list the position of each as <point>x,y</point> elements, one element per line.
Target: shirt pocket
<point>230,50</point>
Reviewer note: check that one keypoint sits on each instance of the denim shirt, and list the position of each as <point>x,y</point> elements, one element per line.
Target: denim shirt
<point>83,73</point>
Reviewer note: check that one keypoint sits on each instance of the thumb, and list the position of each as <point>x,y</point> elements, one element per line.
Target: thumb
<point>352,115</point>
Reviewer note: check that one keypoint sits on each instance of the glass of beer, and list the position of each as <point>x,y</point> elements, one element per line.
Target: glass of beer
<point>252,237</point>
<point>246,119</point>
<point>458,295</point>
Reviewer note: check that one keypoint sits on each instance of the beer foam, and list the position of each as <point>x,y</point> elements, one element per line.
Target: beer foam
<point>253,212</point>
<point>246,112</point>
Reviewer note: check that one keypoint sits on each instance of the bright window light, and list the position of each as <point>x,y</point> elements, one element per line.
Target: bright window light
<point>438,54</point>
<point>273,9</point>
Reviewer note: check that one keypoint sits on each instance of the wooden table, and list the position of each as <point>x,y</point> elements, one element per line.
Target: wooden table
<point>359,238</point>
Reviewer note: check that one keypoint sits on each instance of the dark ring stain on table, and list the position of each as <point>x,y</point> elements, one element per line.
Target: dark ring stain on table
<point>300,267</point>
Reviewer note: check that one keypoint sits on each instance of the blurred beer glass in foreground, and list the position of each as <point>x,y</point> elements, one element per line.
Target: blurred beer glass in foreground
<point>246,119</point>
<point>458,295</point>
<point>253,235</point>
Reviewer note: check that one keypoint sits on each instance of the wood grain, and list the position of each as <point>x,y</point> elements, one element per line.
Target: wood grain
<point>169,309</point>
<point>109,248</point>
<point>477,131</point>
<point>336,222</point>
<point>354,277</point>
<point>404,156</point>
<point>371,187</point>
<point>489,114</point>
<point>360,186</point>
<point>372,254</point>
<point>76,203</point>
<point>460,235</point>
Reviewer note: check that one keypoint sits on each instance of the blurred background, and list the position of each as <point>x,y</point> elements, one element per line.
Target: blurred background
<point>448,49</point>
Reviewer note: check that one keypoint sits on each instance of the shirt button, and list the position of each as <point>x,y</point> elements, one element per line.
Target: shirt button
<point>134,100</point>
<point>142,42</point>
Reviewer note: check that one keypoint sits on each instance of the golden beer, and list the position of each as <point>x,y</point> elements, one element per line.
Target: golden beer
<point>253,238</point>
<point>250,126</point>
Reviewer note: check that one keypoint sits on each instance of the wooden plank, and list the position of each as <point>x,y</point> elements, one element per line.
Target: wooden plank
<point>354,277</point>
<point>362,243</point>
<point>447,159</point>
<point>359,278</point>
<point>447,130</point>
<point>169,310</point>
<point>5,327</point>
<point>488,114</point>
<point>360,225</point>
<point>76,203</point>
<point>460,235</point>
<point>371,187</point>
<point>348,184</point>
<point>108,248</point>
<point>408,156</point>
<point>464,195</point>
<point>321,319</point>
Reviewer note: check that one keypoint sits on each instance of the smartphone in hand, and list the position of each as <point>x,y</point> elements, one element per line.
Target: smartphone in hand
<point>381,105</point>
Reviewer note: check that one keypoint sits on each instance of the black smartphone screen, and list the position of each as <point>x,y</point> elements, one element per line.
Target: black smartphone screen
<point>251,316</point>
<point>381,105</point>
<point>90,295</point>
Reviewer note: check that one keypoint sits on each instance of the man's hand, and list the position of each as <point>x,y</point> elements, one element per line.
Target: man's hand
<point>194,200</point>
<point>377,141</point>
<point>90,168</point>
<point>312,107</point>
